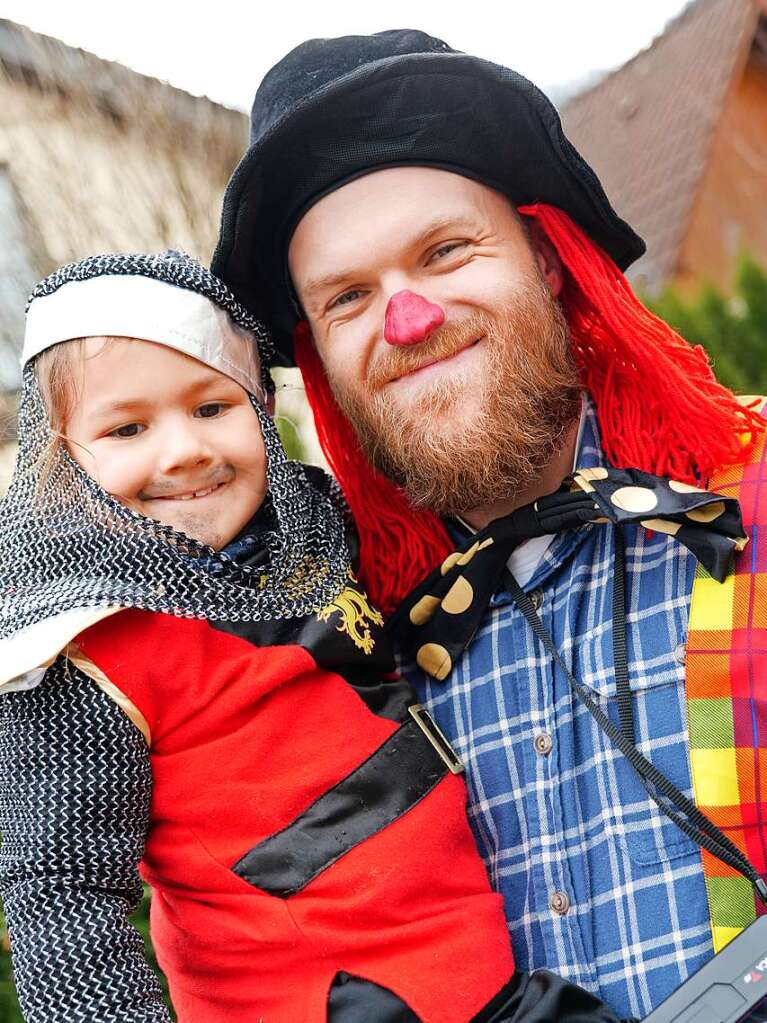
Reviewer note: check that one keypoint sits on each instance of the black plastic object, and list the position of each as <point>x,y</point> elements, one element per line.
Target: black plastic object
<point>730,988</point>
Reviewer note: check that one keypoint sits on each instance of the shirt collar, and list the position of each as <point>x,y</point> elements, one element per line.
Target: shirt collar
<point>589,455</point>
<point>589,452</point>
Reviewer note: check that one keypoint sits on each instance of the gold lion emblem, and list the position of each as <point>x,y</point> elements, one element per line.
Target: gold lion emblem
<point>356,616</point>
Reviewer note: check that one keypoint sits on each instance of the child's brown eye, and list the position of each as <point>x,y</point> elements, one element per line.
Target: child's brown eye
<point>129,430</point>
<point>210,410</point>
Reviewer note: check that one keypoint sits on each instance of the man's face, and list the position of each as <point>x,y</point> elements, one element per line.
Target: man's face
<point>168,436</point>
<point>473,411</point>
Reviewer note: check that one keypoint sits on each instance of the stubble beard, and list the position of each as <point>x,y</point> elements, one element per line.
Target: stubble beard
<point>450,457</point>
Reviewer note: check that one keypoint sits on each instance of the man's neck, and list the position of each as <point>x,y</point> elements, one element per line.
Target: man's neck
<point>546,483</point>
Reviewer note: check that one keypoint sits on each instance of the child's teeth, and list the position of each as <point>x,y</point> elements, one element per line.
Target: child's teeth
<point>197,493</point>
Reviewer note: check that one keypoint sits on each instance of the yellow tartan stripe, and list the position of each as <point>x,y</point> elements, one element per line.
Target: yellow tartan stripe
<point>715,777</point>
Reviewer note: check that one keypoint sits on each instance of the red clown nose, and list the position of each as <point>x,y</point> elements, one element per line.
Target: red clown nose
<point>410,318</point>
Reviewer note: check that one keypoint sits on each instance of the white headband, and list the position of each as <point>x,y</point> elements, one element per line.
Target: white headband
<point>116,305</point>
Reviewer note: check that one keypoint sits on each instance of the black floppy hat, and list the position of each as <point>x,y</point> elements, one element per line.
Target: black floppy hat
<point>335,109</point>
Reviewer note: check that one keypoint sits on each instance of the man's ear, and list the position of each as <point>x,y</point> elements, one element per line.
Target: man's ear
<point>547,258</point>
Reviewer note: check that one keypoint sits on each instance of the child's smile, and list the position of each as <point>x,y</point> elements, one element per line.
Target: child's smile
<point>205,489</point>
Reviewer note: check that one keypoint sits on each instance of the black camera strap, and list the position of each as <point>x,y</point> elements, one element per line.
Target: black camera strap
<point>681,810</point>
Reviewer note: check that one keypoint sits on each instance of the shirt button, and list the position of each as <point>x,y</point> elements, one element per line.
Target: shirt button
<point>680,653</point>
<point>536,598</point>
<point>559,902</point>
<point>543,743</point>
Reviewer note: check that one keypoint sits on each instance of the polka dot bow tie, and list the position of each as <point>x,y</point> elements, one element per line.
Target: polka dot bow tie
<point>437,621</point>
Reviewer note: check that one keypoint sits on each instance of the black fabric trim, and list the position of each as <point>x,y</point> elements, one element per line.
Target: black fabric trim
<point>543,997</point>
<point>391,781</point>
<point>354,1000</point>
<point>334,651</point>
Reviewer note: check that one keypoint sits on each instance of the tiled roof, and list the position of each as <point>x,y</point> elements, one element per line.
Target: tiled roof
<point>54,65</point>
<point>647,128</point>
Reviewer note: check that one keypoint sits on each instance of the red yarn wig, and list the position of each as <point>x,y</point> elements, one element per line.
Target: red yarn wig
<point>659,405</point>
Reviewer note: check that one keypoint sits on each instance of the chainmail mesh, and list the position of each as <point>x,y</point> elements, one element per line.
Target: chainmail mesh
<point>66,543</point>
<point>74,813</point>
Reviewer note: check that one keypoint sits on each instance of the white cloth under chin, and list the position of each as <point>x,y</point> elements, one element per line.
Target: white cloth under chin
<point>525,559</point>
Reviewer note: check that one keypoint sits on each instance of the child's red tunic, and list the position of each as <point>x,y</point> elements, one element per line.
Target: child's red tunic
<point>302,823</point>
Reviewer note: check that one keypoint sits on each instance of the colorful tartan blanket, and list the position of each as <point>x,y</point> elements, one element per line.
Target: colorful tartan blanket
<point>726,680</point>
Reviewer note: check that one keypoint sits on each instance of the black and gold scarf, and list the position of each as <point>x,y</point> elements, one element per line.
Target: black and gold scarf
<point>438,620</point>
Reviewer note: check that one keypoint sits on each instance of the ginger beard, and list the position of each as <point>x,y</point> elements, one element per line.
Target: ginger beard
<point>453,445</point>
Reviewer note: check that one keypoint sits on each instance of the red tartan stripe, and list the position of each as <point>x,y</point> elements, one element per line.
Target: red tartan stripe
<point>725,641</point>
<point>749,839</point>
<point>738,816</point>
<point>749,721</point>
<point>713,867</point>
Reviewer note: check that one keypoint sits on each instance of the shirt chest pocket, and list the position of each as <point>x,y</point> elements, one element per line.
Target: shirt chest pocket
<point>629,815</point>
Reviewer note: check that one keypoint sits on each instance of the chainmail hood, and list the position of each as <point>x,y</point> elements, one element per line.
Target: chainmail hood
<point>66,544</point>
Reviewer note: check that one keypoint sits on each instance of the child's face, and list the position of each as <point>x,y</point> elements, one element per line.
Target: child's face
<point>167,435</point>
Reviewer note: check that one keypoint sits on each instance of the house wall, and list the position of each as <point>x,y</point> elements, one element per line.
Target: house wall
<point>730,212</point>
<point>18,274</point>
<point>93,179</point>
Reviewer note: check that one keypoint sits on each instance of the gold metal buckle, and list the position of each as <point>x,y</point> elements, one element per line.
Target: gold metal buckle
<point>431,730</point>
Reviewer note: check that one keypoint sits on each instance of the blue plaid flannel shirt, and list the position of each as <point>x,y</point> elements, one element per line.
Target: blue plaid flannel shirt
<point>598,885</point>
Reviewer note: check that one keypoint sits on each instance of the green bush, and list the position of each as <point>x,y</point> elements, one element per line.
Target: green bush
<point>732,330</point>
<point>290,437</point>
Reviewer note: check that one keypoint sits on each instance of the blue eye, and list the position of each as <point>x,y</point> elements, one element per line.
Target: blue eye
<point>346,298</point>
<point>445,250</point>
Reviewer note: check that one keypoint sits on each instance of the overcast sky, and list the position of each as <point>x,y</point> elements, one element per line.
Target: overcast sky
<point>222,48</point>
